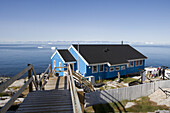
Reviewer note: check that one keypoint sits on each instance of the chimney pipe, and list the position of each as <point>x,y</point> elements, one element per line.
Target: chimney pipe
<point>122,42</point>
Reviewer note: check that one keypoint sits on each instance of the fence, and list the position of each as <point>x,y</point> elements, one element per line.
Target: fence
<point>129,93</point>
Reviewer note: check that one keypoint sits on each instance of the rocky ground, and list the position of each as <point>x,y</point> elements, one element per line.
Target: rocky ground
<point>10,91</point>
<point>160,97</point>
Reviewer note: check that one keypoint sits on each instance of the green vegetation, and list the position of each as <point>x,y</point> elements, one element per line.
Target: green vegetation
<point>145,105</point>
<point>142,105</point>
<point>107,87</point>
<point>125,80</point>
<point>14,87</point>
<point>4,94</point>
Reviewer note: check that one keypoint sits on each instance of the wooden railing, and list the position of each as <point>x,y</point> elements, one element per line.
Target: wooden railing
<point>44,78</point>
<point>83,80</point>
<point>59,69</point>
<point>73,91</point>
<point>32,78</point>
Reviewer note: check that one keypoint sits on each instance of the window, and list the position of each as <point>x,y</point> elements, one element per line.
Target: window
<point>54,63</point>
<point>111,69</point>
<point>94,70</point>
<point>132,64</point>
<point>117,68</point>
<point>122,67</point>
<point>128,65</point>
<point>105,69</point>
<point>101,68</point>
<point>59,65</point>
<point>137,63</point>
<point>141,62</point>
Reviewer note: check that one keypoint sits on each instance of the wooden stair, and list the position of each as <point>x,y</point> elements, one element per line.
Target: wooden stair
<point>56,98</point>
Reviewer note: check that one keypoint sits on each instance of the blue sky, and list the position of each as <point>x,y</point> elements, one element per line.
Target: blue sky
<point>89,20</point>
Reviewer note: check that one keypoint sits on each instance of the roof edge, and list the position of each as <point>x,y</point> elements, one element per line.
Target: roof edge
<point>78,54</point>
<point>58,55</point>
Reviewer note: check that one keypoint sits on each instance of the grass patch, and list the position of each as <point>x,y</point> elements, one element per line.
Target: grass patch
<point>14,87</point>
<point>107,87</point>
<point>106,108</point>
<point>127,80</point>
<point>142,105</point>
<point>4,94</point>
<point>124,79</point>
<point>145,105</point>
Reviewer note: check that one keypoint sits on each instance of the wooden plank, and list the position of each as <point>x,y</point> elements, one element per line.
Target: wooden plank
<point>47,99</point>
<point>12,100</point>
<point>60,67</point>
<point>30,76</point>
<point>74,95</point>
<point>48,102</point>
<point>45,112</point>
<point>45,107</point>
<point>65,110</point>
<point>45,104</point>
<point>36,80</point>
<point>17,76</point>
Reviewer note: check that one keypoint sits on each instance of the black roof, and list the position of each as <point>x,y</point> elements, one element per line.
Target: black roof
<point>114,54</point>
<point>66,55</point>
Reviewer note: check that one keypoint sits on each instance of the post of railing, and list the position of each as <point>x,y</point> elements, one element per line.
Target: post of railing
<point>29,76</point>
<point>50,70</point>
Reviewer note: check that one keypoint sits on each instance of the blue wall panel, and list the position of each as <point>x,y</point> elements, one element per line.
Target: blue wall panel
<point>135,68</point>
<point>82,65</point>
<point>106,73</point>
<point>57,59</point>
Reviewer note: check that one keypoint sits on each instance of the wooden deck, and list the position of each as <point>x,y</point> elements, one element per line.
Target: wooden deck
<point>55,98</point>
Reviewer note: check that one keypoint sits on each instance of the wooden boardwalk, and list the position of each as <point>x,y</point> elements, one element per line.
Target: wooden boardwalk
<point>55,98</point>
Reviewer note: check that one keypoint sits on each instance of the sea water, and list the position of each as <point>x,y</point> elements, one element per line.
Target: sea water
<point>15,57</point>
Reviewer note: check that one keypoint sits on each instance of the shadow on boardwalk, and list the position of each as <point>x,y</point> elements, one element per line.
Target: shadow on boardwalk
<point>62,83</point>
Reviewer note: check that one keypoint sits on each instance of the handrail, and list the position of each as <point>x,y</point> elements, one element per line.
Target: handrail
<point>84,80</point>
<point>73,91</point>
<point>45,78</point>
<point>11,80</point>
<point>5,85</point>
<point>44,74</point>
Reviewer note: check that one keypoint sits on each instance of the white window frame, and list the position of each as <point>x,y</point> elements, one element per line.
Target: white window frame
<point>140,62</point>
<point>117,67</point>
<point>131,65</point>
<point>123,67</point>
<point>112,68</point>
<point>54,63</point>
<point>93,69</point>
<point>59,65</point>
<point>137,61</point>
<point>99,68</point>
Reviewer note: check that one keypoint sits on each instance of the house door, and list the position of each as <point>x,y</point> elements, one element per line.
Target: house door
<point>72,67</point>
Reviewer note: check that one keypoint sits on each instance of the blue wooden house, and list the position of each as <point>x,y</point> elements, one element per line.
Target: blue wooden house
<point>101,61</point>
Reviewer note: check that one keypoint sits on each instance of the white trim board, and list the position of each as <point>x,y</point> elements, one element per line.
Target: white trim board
<point>78,54</point>
<point>58,55</point>
<point>70,62</point>
<point>53,54</point>
<point>137,59</point>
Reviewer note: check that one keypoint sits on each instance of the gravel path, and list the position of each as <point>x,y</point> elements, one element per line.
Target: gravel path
<point>160,97</point>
